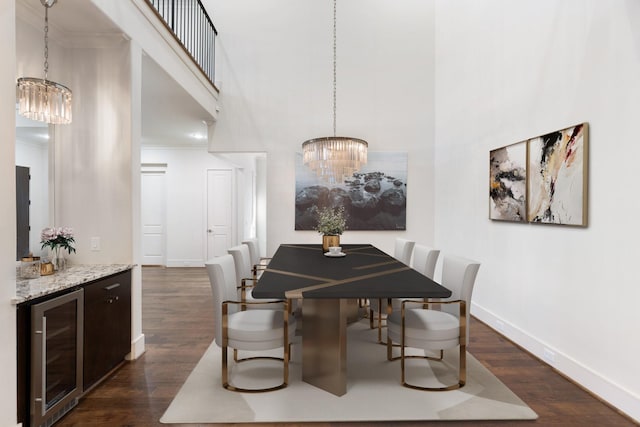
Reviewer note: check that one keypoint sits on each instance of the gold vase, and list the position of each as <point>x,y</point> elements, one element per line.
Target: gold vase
<point>328,241</point>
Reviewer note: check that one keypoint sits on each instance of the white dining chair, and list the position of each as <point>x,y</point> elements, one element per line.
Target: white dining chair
<point>258,263</point>
<point>245,283</point>
<point>436,330</point>
<point>403,250</point>
<point>242,261</point>
<point>249,330</point>
<point>424,261</point>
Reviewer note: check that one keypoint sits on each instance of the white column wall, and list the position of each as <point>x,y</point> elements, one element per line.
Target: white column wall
<point>93,156</point>
<point>507,71</point>
<point>135,91</point>
<point>275,74</point>
<point>8,368</point>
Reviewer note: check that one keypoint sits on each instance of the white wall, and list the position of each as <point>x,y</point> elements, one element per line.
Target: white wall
<point>275,74</point>
<point>186,181</point>
<point>507,71</point>
<point>93,156</point>
<point>7,215</point>
<point>261,204</point>
<point>30,50</point>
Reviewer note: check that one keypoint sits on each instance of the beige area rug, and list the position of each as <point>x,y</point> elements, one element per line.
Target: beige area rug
<point>374,392</point>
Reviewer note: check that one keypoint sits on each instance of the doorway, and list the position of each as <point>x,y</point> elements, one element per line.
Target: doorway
<point>220,211</point>
<point>22,211</point>
<point>153,194</point>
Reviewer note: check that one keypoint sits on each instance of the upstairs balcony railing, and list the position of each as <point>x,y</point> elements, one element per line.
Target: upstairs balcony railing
<point>190,24</point>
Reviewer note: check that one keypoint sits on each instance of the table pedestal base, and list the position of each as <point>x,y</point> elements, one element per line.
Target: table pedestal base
<point>324,343</point>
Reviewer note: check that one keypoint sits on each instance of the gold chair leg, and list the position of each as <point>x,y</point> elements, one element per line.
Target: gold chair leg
<point>225,365</point>
<point>462,375</point>
<point>285,341</point>
<point>379,321</point>
<point>462,359</point>
<point>389,311</point>
<point>225,369</point>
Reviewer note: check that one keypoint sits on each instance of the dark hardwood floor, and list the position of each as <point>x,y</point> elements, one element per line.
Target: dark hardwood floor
<point>177,323</point>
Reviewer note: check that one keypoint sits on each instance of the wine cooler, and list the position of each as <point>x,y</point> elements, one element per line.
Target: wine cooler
<point>56,365</point>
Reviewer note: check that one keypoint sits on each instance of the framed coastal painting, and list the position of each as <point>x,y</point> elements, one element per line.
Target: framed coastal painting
<point>557,177</point>
<point>508,183</point>
<point>374,198</point>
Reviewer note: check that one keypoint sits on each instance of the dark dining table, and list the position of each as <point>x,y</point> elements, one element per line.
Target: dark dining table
<point>329,288</point>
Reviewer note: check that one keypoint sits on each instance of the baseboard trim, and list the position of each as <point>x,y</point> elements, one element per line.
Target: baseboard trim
<point>618,397</point>
<point>185,263</point>
<point>137,348</point>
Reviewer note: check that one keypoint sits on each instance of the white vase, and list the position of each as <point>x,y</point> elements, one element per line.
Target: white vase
<point>58,260</point>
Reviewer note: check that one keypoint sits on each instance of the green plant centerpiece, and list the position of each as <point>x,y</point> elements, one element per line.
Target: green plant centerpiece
<point>331,224</point>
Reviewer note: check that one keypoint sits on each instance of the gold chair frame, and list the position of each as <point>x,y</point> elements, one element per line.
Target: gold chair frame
<point>462,361</point>
<point>378,318</point>
<point>256,268</point>
<point>243,289</point>
<point>225,345</point>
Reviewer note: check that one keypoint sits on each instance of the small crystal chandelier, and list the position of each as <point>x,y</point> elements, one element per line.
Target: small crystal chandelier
<point>334,157</point>
<point>42,99</point>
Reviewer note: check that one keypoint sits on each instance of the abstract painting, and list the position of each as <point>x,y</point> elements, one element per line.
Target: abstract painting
<point>557,180</point>
<point>374,198</point>
<point>507,183</point>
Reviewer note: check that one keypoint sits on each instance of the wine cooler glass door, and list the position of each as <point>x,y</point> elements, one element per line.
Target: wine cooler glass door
<point>57,357</point>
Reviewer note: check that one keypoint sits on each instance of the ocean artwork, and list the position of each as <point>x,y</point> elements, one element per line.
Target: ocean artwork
<point>507,183</point>
<point>374,198</point>
<point>557,186</point>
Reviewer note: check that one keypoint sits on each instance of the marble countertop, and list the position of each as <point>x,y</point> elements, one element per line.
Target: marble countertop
<point>28,289</point>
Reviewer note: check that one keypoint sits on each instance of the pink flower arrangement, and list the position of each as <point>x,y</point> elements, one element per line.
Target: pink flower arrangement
<point>55,238</point>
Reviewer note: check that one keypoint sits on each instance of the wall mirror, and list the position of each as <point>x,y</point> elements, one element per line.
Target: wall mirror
<point>32,184</point>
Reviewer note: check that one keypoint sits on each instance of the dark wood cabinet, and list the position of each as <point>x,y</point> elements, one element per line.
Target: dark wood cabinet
<point>107,325</point>
<point>106,336</point>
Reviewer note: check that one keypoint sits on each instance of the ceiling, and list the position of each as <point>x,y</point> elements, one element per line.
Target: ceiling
<point>170,116</point>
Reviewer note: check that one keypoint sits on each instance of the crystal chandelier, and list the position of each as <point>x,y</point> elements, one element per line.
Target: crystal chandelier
<point>334,157</point>
<point>42,99</point>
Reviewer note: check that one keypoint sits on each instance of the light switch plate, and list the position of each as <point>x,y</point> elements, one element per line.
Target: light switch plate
<point>95,243</point>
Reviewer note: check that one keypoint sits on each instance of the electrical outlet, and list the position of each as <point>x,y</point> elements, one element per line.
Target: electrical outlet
<point>95,243</point>
<point>549,356</point>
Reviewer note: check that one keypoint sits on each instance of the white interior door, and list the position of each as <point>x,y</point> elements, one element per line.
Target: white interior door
<point>219,211</point>
<point>153,193</point>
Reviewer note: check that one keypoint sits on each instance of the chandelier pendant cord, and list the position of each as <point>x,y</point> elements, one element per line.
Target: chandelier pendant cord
<point>334,68</point>
<point>333,158</point>
<point>46,41</point>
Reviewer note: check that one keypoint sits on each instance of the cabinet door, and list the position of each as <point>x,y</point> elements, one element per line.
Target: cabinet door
<point>107,325</point>
<point>56,358</point>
